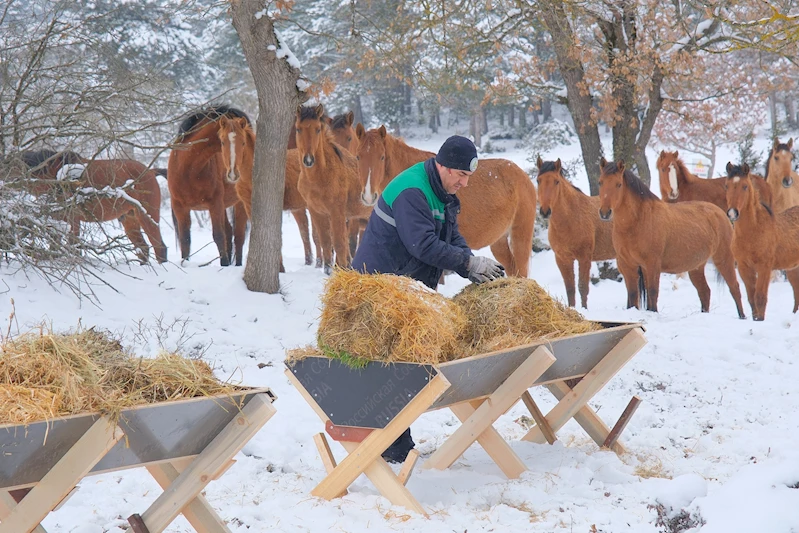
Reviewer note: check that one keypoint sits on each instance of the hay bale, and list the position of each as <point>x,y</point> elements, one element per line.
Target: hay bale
<point>22,405</point>
<point>513,311</point>
<point>383,317</point>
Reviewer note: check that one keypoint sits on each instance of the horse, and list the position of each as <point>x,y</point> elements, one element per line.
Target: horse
<point>575,229</point>
<point>102,190</point>
<point>763,240</point>
<point>781,178</point>
<point>343,133</point>
<point>651,236</point>
<point>329,183</point>
<point>200,179</point>
<point>497,208</point>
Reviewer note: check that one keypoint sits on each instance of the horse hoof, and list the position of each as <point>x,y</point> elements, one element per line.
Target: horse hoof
<point>318,263</point>
<point>224,262</point>
<point>328,269</point>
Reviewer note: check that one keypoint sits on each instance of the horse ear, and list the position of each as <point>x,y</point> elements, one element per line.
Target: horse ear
<point>557,166</point>
<point>359,131</point>
<point>676,153</point>
<point>299,111</point>
<point>382,130</point>
<point>329,120</point>
<point>745,168</point>
<point>350,118</point>
<point>620,165</point>
<point>539,163</point>
<point>602,162</point>
<point>776,143</point>
<point>729,168</point>
<point>790,143</point>
<point>320,111</point>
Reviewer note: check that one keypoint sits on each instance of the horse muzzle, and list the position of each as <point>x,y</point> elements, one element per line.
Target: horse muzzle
<point>606,215</point>
<point>732,214</point>
<point>369,201</point>
<point>673,195</point>
<point>308,160</point>
<point>787,182</point>
<point>232,177</point>
<point>545,212</point>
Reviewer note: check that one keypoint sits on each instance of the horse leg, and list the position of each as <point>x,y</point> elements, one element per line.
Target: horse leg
<point>301,216</point>
<point>181,216</point>
<point>727,271</point>
<point>354,230</point>
<point>566,267</point>
<point>239,230</point>
<point>338,230</point>
<point>321,226</point>
<point>630,274</point>
<point>749,277</point>
<point>221,230</point>
<point>228,236</point>
<point>761,292</point>
<point>150,226</point>
<point>317,244</point>
<point>521,239</point>
<point>584,278</point>
<point>132,228</point>
<point>501,252</point>
<point>793,279</point>
<point>697,277</point>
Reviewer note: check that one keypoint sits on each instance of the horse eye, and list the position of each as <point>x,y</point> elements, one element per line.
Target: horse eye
<point>357,158</point>
<point>557,182</point>
<point>349,139</point>
<point>382,158</point>
<point>618,185</point>
<point>318,130</point>
<point>746,187</point>
<point>297,129</point>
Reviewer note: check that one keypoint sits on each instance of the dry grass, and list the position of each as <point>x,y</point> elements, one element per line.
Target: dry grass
<point>387,318</point>
<point>45,375</point>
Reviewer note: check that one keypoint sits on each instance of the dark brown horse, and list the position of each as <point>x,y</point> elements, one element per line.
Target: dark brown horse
<point>101,190</point>
<point>576,233</point>
<point>763,241</point>
<point>497,208</point>
<point>328,182</point>
<point>198,180</point>
<point>781,178</point>
<point>651,236</point>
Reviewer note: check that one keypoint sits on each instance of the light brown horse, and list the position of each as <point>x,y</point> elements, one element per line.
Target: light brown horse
<point>101,190</point>
<point>199,179</point>
<point>576,233</point>
<point>344,135</point>
<point>497,208</point>
<point>763,241</point>
<point>328,182</point>
<point>781,178</point>
<point>651,236</point>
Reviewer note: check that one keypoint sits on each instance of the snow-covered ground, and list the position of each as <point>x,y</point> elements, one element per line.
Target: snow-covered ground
<point>715,435</point>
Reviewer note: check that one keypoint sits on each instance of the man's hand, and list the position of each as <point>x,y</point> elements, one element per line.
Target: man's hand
<point>482,269</point>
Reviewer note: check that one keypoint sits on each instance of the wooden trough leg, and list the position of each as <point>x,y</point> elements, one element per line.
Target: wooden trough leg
<point>7,503</point>
<point>574,400</point>
<point>624,419</point>
<point>63,477</point>
<point>206,466</point>
<point>326,455</point>
<point>367,455</point>
<point>539,417</point>
<point>477,422</point>
<point>407,467</point>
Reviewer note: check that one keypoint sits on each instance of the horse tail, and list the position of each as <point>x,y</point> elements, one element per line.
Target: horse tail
<point>160,172</point>
<point>175,226</point>
<point>641,288</point>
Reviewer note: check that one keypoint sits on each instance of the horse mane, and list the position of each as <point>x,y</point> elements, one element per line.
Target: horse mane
<point>549,166</point>
<point>632,181</point>
<point>211,114</point>
<point>682,169</point>
<point>36,158</point>
<point>309,113</point>
<point>339,121</point>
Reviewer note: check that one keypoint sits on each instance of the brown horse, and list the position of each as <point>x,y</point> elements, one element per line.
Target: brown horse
<point>497,208</point>
<point>651,236</point>
<point>198,180</point>
<point>101,190</point>
<point>576,232</point>
<point>763,241</point>
<point>343,133</point>
<point>328,182</point>
<point>781,178</point>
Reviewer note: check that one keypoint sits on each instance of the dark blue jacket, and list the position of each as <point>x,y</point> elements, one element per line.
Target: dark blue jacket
<point>413,230</point>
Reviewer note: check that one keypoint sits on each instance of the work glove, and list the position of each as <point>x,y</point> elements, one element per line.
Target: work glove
<point>482,269</point>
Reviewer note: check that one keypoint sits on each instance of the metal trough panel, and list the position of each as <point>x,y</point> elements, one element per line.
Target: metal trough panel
<point>153,433</point>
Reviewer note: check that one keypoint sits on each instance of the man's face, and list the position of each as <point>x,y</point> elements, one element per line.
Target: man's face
<point>453,179</point>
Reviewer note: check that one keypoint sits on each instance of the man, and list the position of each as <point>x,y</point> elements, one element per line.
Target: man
<point>413,231</point>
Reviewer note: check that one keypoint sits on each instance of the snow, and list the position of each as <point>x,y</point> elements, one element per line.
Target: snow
<point>714,437</point>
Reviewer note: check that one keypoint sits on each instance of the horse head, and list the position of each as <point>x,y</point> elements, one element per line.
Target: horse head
<point>343,132</point>
<point>611,183</point>
<point>371,157</point>
<point>780,163</point>
<point>740,190</point>
<point>550,177</point>
<point>668,171</point>
<point>311,128</point>
<point>237,142</point>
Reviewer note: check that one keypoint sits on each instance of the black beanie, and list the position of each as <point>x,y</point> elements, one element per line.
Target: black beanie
<point>458,153</point>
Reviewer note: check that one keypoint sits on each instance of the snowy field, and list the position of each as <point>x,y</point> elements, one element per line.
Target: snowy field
<point>715,436</point>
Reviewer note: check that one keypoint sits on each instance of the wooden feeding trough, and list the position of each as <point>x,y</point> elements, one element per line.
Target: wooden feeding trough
<point>367,409</point>
<point>184,445</point>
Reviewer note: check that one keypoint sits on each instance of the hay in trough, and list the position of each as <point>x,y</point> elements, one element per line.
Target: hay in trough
<point>513,311</point>
<point>383,317</point>
<point>51,375</point>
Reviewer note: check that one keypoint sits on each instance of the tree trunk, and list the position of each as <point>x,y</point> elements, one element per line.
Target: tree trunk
<point>772,106</point>
<point>712,166</point>
<point>790,111</point>
<point>475,127</point>
<point>578,101</point>
<point>483,119</point>
<point>501,111</point>
<point>523,118</point>
<point>546,110</point>
<point>512,116</point>
<point>357,109</point>
<point>278,98</point>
